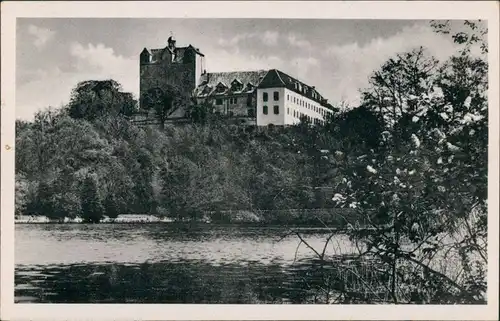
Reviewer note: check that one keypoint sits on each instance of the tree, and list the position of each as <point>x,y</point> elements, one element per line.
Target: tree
<point>164,101</point>
<point>200,113</point>
<point>401,86</point>
<point>111,206</point>
<point>360,127</point>
<point>468,34</point>
<point>423,193</point>
<point>92,99</point>
<point>92,209</point>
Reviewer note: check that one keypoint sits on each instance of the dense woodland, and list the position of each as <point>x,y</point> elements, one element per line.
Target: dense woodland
<point>411,159</point>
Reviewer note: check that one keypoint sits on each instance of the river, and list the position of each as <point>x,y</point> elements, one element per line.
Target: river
<point>167,263</point>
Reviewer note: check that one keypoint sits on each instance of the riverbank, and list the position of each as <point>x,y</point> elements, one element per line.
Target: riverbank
<point>124,218</point>
<point>307,217</point>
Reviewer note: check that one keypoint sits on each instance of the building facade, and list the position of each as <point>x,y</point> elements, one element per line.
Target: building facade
<point>166,69</point>
<point>260,97</point>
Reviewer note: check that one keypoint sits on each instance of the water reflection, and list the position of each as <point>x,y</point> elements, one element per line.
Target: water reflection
<point>168,263</point>
<point>165,282</point>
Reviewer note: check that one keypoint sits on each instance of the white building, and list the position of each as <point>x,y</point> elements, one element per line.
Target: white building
<point>264,97</point>
<point>283,100</point>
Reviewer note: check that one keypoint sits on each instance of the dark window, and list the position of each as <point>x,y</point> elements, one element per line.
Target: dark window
<point>288,97</point>
<point>218,101</point>
<point>288,111</point>
<point>264,97</point>
<point>249,101</point>
<point>264,110</point>
<point>276,96</point>
<point>276,110</point>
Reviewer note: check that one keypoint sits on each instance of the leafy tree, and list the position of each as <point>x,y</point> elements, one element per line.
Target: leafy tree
<point>21,194</point>
<point>111,206</point>
<point>92,99</point>
<point>201,113</point>
<point>164,101</point>
<point>65,205</point>
<point>469,34</point>
<point>360,127</point>
<point>92,209</point>
<point>426,185</point>
<point>400,83</point>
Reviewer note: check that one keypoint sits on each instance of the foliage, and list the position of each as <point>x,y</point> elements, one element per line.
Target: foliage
<point>201,113</point>
<point>181,171</point>
<point>164,101</point>
<point>92,208</point>
<point>423,191</point>
<point>96,98</point>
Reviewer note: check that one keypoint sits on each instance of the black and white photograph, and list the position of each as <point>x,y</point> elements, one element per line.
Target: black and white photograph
<point>251,160</point>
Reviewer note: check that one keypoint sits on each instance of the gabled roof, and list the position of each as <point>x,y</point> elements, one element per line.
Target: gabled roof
<point>277,78</point>
<point>261,78</point>
<point>214,78</point>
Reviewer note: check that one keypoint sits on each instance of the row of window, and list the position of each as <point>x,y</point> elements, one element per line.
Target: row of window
<point>232,101</point>
<point>276,110</point>
<point>300,115</point>
<point>276,96</point>
<point>307,105</point>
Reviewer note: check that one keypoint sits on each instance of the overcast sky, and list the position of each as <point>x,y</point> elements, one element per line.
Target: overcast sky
<point>336,56</point>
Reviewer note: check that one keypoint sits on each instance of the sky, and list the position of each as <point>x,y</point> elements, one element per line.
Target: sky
<point>336,56</point>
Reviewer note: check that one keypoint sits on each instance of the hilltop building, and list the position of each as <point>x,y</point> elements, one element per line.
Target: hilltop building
<point>261,97</point>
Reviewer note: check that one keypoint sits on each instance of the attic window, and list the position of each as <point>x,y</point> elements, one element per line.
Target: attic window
<point>221,87</point>
<point>250,87</point>
<point>207,89</point>
<point>236,85</point>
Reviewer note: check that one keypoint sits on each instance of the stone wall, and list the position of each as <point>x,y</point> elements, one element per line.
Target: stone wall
<point>164,73</point>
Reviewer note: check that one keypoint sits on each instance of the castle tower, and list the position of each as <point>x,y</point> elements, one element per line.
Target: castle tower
<point>170,69</point>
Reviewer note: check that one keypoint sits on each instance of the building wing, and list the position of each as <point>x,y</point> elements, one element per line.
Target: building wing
<point>277,79</point>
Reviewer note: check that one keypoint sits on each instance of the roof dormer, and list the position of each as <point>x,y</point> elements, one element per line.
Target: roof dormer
<point>236,85</point>
<point>221,87</point>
